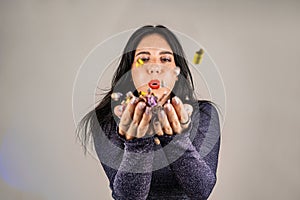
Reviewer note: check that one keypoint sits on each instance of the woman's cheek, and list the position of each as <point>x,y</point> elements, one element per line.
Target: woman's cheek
<point>139,79</point>
<point>169,79</point>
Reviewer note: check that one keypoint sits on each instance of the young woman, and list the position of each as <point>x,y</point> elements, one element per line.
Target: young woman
<point>162,143</point>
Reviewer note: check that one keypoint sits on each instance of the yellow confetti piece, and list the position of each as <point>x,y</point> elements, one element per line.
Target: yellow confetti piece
<point>142,93</point>
<point>198,56</point>
<point>127,100</point>
<point>139,62</point>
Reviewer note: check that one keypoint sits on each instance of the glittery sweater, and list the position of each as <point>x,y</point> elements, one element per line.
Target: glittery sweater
<point>182,166</point>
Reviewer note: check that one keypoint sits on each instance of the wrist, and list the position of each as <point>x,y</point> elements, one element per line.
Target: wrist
<point>139,145</point>
<point>166,139</point>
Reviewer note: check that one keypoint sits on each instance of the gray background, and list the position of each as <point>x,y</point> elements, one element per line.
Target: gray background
<point>42,44</point>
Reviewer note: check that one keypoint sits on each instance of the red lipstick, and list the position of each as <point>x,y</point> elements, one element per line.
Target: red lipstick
<point>154,84</point>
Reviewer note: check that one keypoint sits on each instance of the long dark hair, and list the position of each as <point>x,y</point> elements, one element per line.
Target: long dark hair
<point>102,115</point>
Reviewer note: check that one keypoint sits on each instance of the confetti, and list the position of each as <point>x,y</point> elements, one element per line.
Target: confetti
<point>198,56</point>
<point>139,62</point>
<point>116,96</point>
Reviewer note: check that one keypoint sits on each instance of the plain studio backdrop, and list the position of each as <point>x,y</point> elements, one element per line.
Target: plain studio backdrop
<point>255,44</point>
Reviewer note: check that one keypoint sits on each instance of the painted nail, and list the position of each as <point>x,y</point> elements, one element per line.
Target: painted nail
<point>147,110</point>
<point>142,106</point>
<point>132,101</point>
<point>176,100</point>
<point>121,108</point>
<point>129,94</point>
<point>162,113</point>
<point>168,107</point>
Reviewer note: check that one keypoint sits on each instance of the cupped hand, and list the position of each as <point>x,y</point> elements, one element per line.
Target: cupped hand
<point>134,120</point>
<point>174,118</point>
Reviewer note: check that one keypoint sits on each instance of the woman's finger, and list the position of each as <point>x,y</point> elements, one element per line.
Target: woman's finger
<point>126,117</point>
<point>173,118</point>
<point>150,130</point>
<point>164,122</point>
<point>143,126</point>
<point>130,133</point>
<point>138,112</point>
<point>137,116</point>
<point>189,109</point>
<point>180,110</point>
<point>118,110</point>
<point>157,128</point>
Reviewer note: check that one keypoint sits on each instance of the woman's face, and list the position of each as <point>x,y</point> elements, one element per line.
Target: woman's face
<point>158,66</point>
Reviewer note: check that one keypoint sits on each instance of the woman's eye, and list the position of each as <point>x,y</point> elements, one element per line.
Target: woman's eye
<point>166,59</point>
<point>144,59</point>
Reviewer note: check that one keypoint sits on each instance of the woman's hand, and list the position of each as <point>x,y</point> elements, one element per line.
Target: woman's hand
<point>173,118</point>
<point>134,121</point>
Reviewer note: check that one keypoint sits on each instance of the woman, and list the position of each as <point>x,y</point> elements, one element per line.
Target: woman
<point>165,150</point>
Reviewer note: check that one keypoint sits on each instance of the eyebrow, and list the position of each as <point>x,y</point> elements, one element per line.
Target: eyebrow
<point>165,52</point>
<point>160,53</point>
<point>143,52</point>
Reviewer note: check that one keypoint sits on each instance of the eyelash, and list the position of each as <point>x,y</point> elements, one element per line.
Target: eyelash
<point>145,59</point>
<point>166,59</point>
<point>163,59</point>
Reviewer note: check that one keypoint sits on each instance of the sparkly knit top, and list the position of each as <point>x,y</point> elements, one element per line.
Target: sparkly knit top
<point>182,166</point>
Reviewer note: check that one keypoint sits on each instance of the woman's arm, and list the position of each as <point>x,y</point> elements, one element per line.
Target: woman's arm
<point>127,164</point>
<point>129,168</point>
<point>193,154</point>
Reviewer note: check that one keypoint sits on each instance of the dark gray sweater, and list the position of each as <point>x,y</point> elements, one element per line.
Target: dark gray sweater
<point>182,166</point>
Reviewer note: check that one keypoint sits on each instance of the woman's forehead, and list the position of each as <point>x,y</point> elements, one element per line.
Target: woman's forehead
<point>153,42</point>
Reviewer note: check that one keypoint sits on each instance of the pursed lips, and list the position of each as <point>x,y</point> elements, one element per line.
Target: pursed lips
<point>154,84</point>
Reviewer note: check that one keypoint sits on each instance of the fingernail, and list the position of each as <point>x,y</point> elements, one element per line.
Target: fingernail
<point>132,101</point>
<point>147,111</point>
<point>129,94</point>
<point>142,106</point>
<point>176,100</point>
<point>162,113</point>
<point>168,107</point>
<point>121,108</point>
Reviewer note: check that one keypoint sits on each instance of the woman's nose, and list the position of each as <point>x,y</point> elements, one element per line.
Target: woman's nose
<point>154,69</point>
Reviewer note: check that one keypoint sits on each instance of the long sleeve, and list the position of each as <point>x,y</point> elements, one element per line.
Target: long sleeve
<point>127,164</point>
<point>193,154</point>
